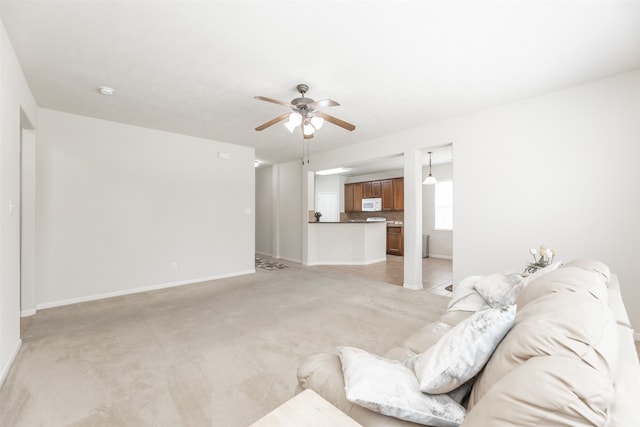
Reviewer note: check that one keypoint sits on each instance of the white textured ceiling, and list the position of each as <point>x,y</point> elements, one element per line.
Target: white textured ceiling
<point>194,67</point>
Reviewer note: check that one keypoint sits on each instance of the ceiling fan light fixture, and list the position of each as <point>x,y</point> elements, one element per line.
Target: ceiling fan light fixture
<point>317,122</point>
<point>304,114</point>
<point>294,120</point>
<point>290,126</point>
<point>308,129</point>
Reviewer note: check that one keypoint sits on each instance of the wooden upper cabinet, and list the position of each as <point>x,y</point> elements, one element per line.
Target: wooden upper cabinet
<point>375,189</point>
<point>371,189</point>
<point>366,190</point>
<point>387,194</point>
<point>390,190</point>
<point>398,194</point>
<point>348,197</point>
<point>357,196</point>
<point>353,197</point>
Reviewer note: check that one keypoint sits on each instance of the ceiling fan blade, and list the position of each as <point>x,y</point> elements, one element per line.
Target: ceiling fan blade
<point>275,101</point>
<point>323,104</point>
<point>336,121</point>
<point>273,121</point>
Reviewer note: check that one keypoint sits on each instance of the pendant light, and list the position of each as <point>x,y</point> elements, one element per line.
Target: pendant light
<point>430,179</point>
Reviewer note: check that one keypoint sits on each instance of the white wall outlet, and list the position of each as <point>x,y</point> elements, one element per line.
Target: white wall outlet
<point>174,266</point>
<point>12,207</point>
<point>247,211</point>
<point>224,156</point>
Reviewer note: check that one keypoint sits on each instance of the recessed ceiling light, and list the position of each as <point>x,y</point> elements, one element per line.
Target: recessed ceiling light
<point>105,90</point>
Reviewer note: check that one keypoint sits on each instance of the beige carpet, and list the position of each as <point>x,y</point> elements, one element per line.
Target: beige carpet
<point>220,353</point>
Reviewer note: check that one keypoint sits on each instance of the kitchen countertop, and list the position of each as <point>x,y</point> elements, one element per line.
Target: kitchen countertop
<point>346,222</point>
<point>389,224</point>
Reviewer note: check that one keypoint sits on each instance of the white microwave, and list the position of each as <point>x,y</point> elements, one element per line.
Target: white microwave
<point>372,205</point>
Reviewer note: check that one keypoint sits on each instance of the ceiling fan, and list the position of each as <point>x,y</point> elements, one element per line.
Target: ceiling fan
<point>304,114</point>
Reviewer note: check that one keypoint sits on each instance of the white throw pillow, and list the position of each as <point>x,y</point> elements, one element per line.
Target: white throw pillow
<point>465,297</point>
<point>540,272</point>
<point>499,289</point>
<point>390,388</point>
<point>463,351</point>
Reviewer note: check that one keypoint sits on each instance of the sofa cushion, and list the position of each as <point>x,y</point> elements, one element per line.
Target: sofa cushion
<point>616,304</point>
<point>462,352</point>
<point>545,391</point>
<point>573,325</point>
<point>499,289</point>
<point>464,296</point>
<point>571,277</point>
<point>390,388</point>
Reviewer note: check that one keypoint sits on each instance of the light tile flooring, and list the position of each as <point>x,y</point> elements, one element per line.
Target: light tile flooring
<point>436,273</point>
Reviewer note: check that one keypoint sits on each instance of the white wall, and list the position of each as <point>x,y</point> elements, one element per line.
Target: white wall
<point>440,241</point>
<point>123,208</point>
<point>15,96</point>
<point>264,210</point>
<point>559,169</point>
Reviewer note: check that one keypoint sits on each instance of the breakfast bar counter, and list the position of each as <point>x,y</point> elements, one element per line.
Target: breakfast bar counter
<point>346,243</point>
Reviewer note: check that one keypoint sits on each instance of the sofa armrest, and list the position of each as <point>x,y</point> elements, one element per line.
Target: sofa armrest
<point>322,373</point>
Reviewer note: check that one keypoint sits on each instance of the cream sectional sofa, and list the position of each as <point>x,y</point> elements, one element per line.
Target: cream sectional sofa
<point>568,360</point>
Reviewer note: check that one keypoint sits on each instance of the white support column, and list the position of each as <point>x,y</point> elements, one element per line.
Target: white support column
<point>275,215</point>
<point>308,200</point>
<point>412,219</point>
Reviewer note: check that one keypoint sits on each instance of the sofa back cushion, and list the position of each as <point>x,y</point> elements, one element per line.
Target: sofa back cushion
<point>562,316</point>
<point>545,391</point>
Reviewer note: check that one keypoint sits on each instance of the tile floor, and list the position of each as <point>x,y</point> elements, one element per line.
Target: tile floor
<point>436,273</point>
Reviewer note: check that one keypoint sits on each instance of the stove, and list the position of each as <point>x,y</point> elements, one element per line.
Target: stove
<point>376,219</point>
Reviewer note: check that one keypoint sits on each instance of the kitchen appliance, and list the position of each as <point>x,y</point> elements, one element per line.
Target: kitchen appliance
<point>376,219</point>
<point>372,205</point>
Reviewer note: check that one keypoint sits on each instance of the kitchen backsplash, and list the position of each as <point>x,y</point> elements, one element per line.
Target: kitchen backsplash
<point>360,216</point>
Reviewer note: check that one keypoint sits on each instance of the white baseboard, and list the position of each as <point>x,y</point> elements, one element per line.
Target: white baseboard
<point>9,364</point>
<point>297,261</point>
<point>310,264</point>
<point>138,290</point>
<point>412,287</point>
<point>440,256</point>
<point>264,254</point>
<point>27,313</point>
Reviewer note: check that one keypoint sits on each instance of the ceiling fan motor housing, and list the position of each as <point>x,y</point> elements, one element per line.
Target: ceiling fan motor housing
<point>301,103</point>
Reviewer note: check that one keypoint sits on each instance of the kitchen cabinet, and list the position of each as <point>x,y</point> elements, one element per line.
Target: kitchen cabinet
<point>391,191</point>
<point>348,197</point>
<point>387,194</point>
<point>398,194</point>
<point>371,189</point>
<point>357,197</point>
<point>353,197</point>
<point>395,241</point>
